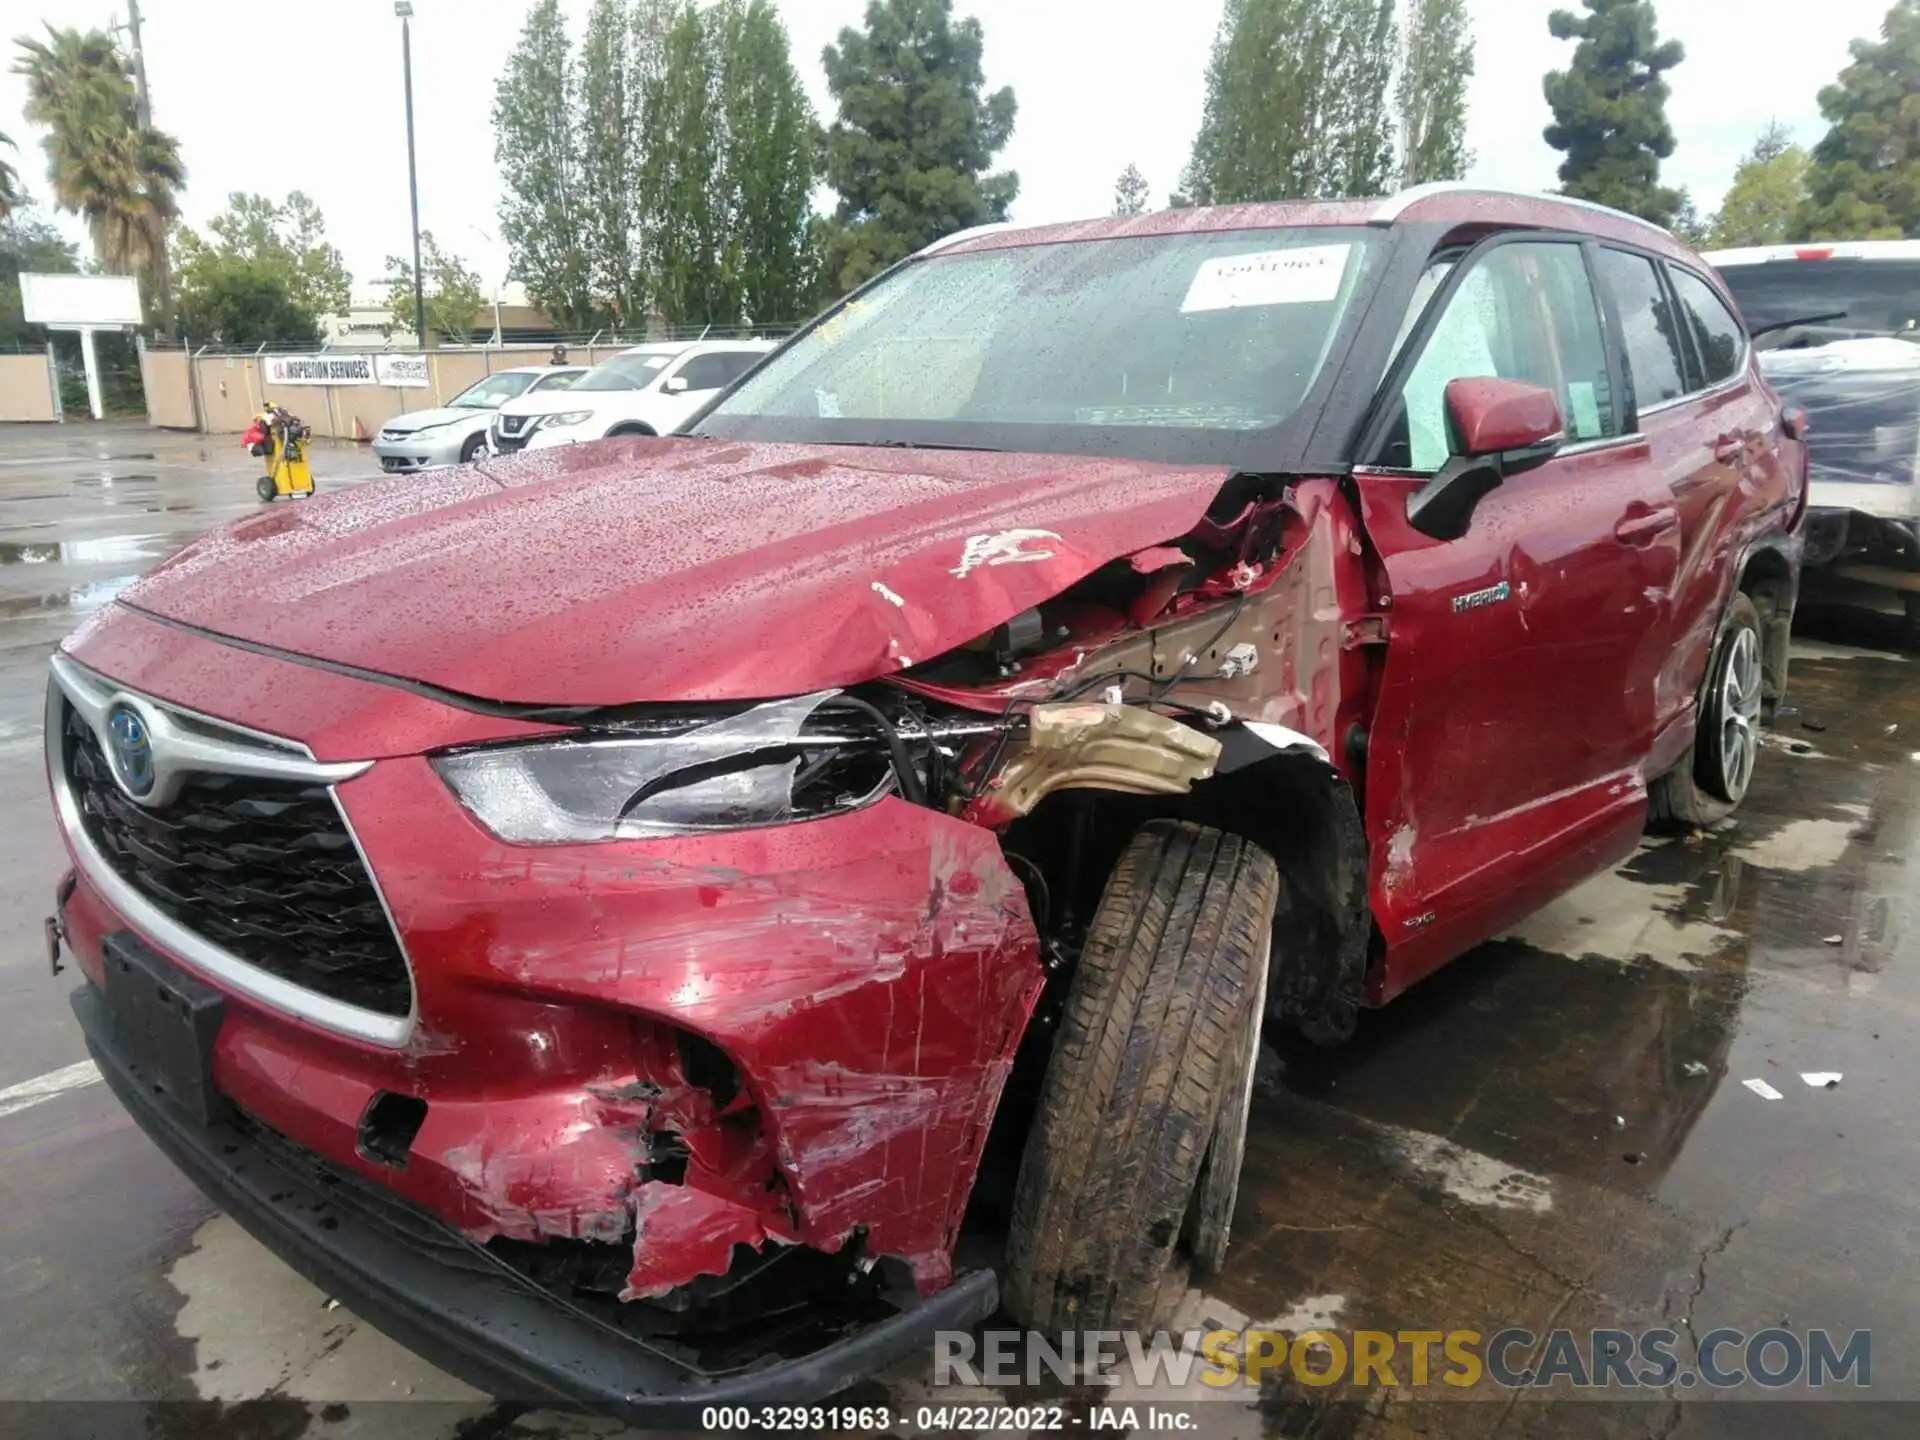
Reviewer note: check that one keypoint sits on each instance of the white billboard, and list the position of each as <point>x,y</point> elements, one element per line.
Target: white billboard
<point>80,302</point>
<point>322,369</point>
<point>401,370</point>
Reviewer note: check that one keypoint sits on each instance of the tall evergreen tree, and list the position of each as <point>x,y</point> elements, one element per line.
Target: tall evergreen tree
<point>1865,181</point>
<point>1610,107</point>
<point>543,218</point>
<point>1296,103</point>
<point>685,216</point>
<point>610,143</point>
<point>1436,64</point>
<point>766,170</point>
<point>1130,192</point>
<point>1769,190</point>
<point>909,150</point>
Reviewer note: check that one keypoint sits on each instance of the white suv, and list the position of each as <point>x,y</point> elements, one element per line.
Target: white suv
<point>649,390</point>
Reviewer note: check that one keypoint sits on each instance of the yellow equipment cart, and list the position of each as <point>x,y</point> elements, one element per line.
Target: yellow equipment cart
<point>281,438</point>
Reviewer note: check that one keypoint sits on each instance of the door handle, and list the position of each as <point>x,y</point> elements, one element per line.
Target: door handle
<point>1729,448</point>
<point>1646,523</point>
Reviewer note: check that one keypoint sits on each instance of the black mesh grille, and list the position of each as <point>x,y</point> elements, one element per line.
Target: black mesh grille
<point>263,868</point>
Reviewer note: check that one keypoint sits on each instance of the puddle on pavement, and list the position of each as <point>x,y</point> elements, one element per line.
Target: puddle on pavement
<point>78,599</point>
<point>102,550</point>
<point>108,481</point>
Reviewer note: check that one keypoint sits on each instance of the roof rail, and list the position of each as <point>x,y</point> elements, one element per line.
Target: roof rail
<point>954,239</point>
<point>1393,208</point>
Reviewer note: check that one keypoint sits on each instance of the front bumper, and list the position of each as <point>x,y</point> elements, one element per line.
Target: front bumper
<point>553,439</point>
<point>451,1301</point>
<point>792,1040</point>
<point>428,452</point>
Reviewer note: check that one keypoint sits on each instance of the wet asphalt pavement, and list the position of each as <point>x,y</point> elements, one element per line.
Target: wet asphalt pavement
<point>1552,1132</point>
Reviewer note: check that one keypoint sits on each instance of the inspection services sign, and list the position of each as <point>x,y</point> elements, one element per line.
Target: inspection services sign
<point>320,370</point>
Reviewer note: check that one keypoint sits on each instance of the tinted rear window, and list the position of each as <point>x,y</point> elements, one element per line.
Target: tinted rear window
<point>1879,297</point>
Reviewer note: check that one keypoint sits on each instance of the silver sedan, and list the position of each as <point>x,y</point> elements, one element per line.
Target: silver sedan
<point>456,432</point>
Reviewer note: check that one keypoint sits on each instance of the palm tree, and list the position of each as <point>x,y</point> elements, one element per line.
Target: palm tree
<point>122,178</point>
<point>9,182</point>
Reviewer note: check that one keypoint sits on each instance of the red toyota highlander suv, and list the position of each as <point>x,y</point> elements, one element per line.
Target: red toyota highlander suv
<point>599,912</point>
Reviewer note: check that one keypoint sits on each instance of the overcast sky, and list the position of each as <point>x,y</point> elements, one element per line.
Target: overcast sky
<point>273,95</point>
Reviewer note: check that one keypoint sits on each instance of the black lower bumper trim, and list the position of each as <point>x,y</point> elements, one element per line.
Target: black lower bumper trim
<point>492,1329</point>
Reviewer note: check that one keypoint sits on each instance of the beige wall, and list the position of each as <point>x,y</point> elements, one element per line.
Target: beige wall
<point>169,390</point>
<point>26,388</point>
<point>232,393</point>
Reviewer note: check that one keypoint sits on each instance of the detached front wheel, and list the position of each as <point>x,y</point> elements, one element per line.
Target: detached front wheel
<point>1127,1171</point>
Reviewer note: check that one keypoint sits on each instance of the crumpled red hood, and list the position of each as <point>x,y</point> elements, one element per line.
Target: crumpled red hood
<point>644,569</point>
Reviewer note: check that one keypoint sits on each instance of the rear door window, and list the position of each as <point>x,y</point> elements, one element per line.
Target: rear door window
<point>1656,361</point>
<point>1719,344</point>
<point>1525,311</point>
<point>707,372</point>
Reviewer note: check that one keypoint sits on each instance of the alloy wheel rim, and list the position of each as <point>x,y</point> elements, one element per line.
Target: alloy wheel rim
<point>1740,714</point>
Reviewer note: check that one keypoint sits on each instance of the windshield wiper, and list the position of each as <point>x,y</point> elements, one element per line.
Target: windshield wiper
<point>1797,322</point>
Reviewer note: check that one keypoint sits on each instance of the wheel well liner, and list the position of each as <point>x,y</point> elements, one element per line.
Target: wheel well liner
<point>1294,806</point>
<point>1768,577</point>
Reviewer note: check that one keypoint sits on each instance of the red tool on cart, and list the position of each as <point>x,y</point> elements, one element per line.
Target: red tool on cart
<point>282,435</point>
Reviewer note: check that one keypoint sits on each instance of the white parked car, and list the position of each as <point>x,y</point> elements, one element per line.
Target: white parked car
<point>456,432</point>
<point>648,390</point>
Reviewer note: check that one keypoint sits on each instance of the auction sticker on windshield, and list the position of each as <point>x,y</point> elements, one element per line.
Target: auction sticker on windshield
<point>1308,275</point>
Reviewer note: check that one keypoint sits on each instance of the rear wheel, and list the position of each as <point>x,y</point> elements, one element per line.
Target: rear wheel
<point>1711,781</point>
<point>265,488</point>
<point>1150,1053</point>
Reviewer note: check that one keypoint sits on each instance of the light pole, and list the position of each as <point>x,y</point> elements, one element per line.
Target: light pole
<point>404,9</point>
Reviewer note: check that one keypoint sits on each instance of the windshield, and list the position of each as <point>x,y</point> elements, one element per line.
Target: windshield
<point>625,372</point>
<point>492,392</point>
<point>1878,298</point>
<point>1174,347</point>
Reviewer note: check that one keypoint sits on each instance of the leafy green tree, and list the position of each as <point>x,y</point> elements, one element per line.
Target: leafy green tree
<point>239,300</point>
<point>1296,103</point>
<point>766,164</point>
<point>543,217</point>
<point>287,238</point>
<point>1610,107</point>
<point>119,176</point>
<point>1865,179</point>
<point>1130,192</point>
<point>265,273</point>
<point>1769,190</point>
<point>909,149</point>
<point>453,292</point>
<point>28,245</point>
<point>1431,97</point>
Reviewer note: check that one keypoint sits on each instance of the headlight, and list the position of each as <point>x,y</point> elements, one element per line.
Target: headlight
<point>771,765</point>
<point>566,418</point>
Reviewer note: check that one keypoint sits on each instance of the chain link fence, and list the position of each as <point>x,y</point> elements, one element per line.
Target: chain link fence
<point>190,386</point>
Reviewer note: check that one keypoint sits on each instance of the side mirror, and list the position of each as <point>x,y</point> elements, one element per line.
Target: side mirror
<point>675,384</point>
<point>1793,422</point>
<point>1497,428</point>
